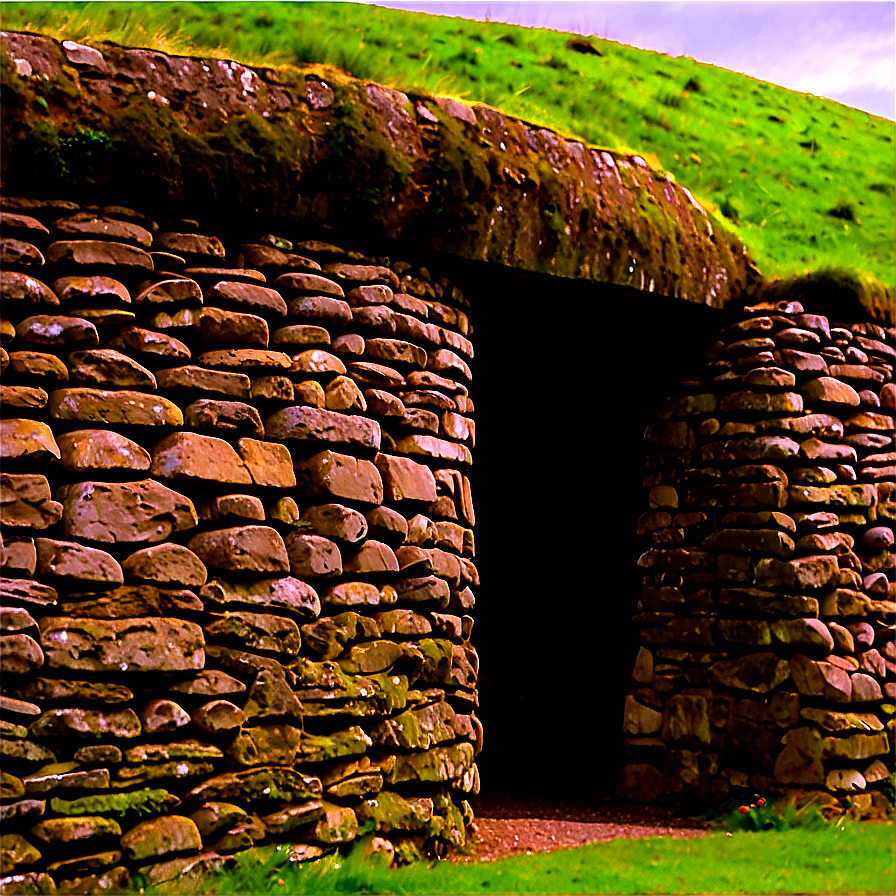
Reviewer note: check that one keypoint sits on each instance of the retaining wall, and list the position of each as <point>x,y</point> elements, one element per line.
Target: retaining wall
<point>238,548</point>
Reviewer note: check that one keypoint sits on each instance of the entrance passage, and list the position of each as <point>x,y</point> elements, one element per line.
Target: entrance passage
<point>563,374</point>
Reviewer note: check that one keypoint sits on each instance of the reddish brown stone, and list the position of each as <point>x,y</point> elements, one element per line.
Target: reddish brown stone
<point>85,450</point>
<point>57,330</point>
<point>29,440</point>
<point>166,564</point>
<point>128,512</point>
<point>102,406</point>
<point>241,549</point>
<point>18,287</point>
<point>214,325</point>
<point>268,463</point>
<point>69,560</point>
<point>99,253</point>
<point>317,361</point>
<point>147,342</point>
<point>313,555</point>
<point>105,367</point>
<point>306,424</point>
<point>340,476</point>
<point>227,416</point>
<point>309,284</point>
<point>194,457</point>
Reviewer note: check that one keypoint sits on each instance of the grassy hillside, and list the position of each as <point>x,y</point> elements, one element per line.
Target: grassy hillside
<point>804,181</point>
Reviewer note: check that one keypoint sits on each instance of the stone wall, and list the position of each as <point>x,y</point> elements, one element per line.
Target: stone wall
<point>766,616</point>
<point>238,549</point>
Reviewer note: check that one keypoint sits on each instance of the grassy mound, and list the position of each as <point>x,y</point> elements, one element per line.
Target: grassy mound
<point>803,181</point>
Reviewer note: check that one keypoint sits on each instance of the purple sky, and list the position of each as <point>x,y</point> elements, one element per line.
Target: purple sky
<point>841,50</point>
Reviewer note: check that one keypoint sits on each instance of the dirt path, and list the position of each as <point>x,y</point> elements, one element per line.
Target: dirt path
<point>508,825</point>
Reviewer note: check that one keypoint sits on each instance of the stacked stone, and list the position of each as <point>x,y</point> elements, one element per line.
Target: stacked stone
<point>766,618</point>
<point>237,550</point>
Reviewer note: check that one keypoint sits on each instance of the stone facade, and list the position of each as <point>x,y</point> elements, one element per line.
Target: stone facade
<point>238,548</point>
<point>766,616</point>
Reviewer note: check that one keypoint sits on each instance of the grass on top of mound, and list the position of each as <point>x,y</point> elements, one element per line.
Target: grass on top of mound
<point>803,181</point>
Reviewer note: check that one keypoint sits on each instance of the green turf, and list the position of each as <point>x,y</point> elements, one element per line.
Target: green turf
<point>849,858</point>
<point>803,181</point>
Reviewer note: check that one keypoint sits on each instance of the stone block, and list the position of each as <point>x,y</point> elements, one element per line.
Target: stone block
<point>340,476</point>
<point>88,450</point>
<point>309,425</point>
<point>68,560</point>
<point>241,549</point>
<point>198,458</point>
<point>405,479</point>
<point>144,511</point>
<point>131,645</point>
<point>313,555</point>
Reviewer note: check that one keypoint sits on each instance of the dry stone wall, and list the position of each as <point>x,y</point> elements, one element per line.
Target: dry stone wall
<point>238,553</point>
<point>766,616</point>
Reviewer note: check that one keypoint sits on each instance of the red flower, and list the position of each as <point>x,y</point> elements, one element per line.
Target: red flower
<point>760,802</point>
<point>744,810</point>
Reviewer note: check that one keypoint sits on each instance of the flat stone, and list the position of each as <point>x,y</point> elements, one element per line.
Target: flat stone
<point>99,253</point>
<point>173,291</point>
<point>27,592</point>
<point>122,645</point>
<point>261,632</point>
<point>308,284</point>
<point>434,448</point>
<point>75,563</point>
<point>300,334</point>
<point>379,376</point>
<point>352,594</point>
<point>800,761</point>
<point>19,287</point>
<point>828,390</point>
<point>60,831</point>
<point>322,310</point>
<point>29,440</point>
<point>220,327</point>
<point>820,679</point>
<point>758,672</point>
<point>38,365</point>
<point>56,690</point>
<point>166,564</point>
<point>229,416</point>
<point>124,407</point>
<point>86,723</point>
<point>159,837</point>
<point>307,424</point>
<point>316,360</point>
<point>387,525</point>
<point>371,557</point>
<point>29,397</point>
<point>217,717</point>
<point>191,378</point>
<point>404,479</point>
<point>330,475</point>
<point>151,344</point>
<point>144,511</point>
<point>59,331</point>
<point>762,402</point>
<point>25,501</point>
<point>241,549</point>
<point>92,290</point>
<point>20,654</point>
<point>287,593</point>
<point>834,495</point>
<point>244,507</point>
<point>198,458</point>
<point>313,555</point>
<point>812,635</point>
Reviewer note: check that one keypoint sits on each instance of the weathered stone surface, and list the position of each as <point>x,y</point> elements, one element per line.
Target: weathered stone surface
<point>161,837</point>
<point>800,761</point>
<point>228,416</point>
<point>191,378</point>
<point>820,679</point>
<point>405,479</point>
<point>144,511</point>
<point>27,440</point>
<point>124,407</point>
<point>309,284</point>
<point>758,672</point>
<point>25,502</point>
<point>287,593</point>
<point>379,376</point>
<point>371,557</point>
<point>352,594</point>
<point>307,424</point>
<point>313,555</point>
<point>195,457</point>
<point>804,573</point>
<point>828,390</point>
<point>255,784</point>
<point>166,564</point>
<point>133,601</point>
<point>218,716</point>
<point>107,368</point>
<point>241,549</point>
<point>434,448</point>
<point>264,633</point>
<point>442,763</point>
<point>119,723</point>
<point>57,330</point>
<point>812,635</point>
<point>68,560</point>
<point>19,287</point>
<point>87,450</point>
<point>336,521</point>
<point>340,476</point>
<point>20,654</point>
<point>60,831</point>
<point>122,645</point>
<point>244,507</point>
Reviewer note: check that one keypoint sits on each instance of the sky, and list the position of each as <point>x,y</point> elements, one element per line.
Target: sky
<point>841,50</point>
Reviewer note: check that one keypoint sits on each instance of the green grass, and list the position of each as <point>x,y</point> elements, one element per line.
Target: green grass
<point>837,858</point>
<point>802,180</point>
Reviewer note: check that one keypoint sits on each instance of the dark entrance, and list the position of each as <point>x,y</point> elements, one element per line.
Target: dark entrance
<point>564,371</point>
